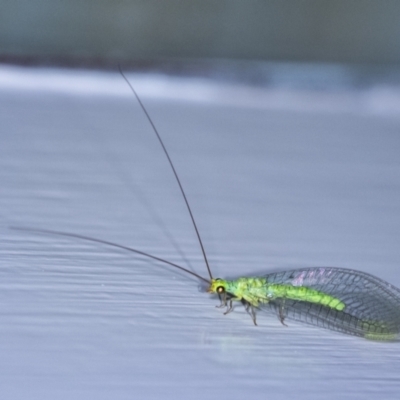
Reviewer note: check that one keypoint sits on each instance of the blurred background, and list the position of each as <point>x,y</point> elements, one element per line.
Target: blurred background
<point>102,31</point>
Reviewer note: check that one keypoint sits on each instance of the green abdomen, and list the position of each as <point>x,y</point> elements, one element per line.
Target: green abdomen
<point>303,293</point>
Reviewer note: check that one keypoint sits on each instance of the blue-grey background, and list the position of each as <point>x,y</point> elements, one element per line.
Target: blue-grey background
<point>281,176</point>
<point>357,31</point>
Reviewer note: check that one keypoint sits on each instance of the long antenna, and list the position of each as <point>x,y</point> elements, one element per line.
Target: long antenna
<point>172,166</point>
<point>120,246</point>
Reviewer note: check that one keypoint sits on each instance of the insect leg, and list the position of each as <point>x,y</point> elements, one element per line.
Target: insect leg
<point>223,300</point>
<point>250,310</point>
<point>253,314</point>
<point>281,312</point>
<point>229,308</point>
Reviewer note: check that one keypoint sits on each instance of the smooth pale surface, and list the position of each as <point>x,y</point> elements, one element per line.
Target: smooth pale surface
<point>278,178</point>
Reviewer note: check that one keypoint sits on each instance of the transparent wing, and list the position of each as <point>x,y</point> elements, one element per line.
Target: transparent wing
<point>372,306</point>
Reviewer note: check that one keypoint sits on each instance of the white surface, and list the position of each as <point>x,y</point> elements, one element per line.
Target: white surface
<point>271,188</point>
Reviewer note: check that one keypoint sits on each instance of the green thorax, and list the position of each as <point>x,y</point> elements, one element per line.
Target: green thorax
<point>258,291</point>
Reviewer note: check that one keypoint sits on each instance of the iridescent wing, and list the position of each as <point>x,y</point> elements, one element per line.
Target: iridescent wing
<point>372,306</point>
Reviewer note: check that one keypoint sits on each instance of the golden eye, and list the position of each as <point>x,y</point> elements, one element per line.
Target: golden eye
<point>220,289</point>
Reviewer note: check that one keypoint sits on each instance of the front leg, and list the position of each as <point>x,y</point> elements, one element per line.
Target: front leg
<point>226,301</point>
<point>222,299</point>
<point>229,308</point>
